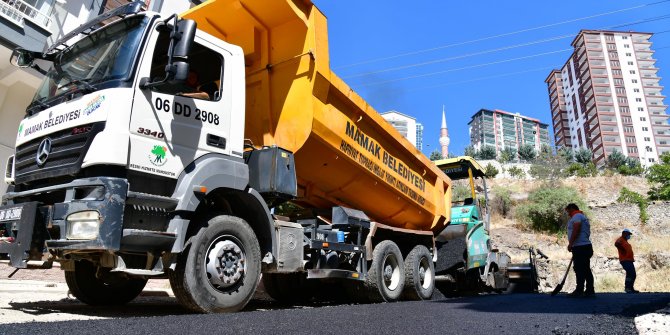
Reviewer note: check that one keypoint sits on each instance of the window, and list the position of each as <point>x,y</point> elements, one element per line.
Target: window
<point>640,109</point>
<point>620,90</point>
<point>618,81</point>
<point>627,129</point>
<point>622,100</point>
<point>652,160</point>
<point>626,46</point>
<point>624,37</point>
<point>627,119</point>
<point>615,63</point>
<point>634,81</point>
<point>649,149</point>
<point>624,109</point>
<point>613,55</point>
<point>632,71</point>
<point>609,37</point>
<point>647,139</point>
<point>630,63</point>
<point>643,118</point>
<point>645,129</point>
<point>205,71</point>
<point>611,46</point>
<point>632,150</point>
<point>616,72</point>
<point>663,142</point>
<point>630,139</point>
<point>628,54</point>
<point>638,99</point>
<point>636,90</point>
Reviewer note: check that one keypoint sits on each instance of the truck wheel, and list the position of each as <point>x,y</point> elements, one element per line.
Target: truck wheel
<point>220,270</point>
<point>386,278</point>
<point>419,274</point>
<point>288,288</point>
<point>112,289</point>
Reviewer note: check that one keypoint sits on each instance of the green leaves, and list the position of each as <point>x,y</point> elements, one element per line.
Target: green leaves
<point>544,209</point>
<point>659,176</point>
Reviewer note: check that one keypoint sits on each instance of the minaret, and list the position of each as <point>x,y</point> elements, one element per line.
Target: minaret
<point>444,136</point>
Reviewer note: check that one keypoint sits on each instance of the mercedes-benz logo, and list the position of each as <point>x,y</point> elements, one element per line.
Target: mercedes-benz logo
<point>43,151</point>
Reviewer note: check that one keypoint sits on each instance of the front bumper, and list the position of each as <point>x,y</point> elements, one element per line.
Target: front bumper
<point>30,225</point>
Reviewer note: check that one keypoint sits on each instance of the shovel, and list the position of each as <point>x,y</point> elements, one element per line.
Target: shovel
<point>559,287</point>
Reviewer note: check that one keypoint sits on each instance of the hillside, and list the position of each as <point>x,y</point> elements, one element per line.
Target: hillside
<point>651,241</point>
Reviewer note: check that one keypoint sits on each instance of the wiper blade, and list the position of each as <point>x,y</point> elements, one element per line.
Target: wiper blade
<point>81,85</point>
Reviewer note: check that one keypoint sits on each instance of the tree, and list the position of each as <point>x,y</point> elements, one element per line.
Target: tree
<point>507,155</point>
<point>659,177</point>
<point>583,156</point>
<point>491,171</point>
<point>516,172</point>
<point>631,167</point>
<point>527,152</point>
<point>435,155</point>
<point>544,209</point>
<point>567,154</point>
<point>615,160</point>
<point>470,151</point>
<point>487,152</point>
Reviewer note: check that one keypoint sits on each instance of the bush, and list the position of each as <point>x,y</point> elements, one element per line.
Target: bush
<point>583,156</point>
<point>487,152</point>
<point>631,167</point>
<point>579,170</point>
<point>516,172</point>
<point>659,178</point>
<point>545,207</point>
<point>502,201</point>
<point>460,192</point>
<point>491,171</point>
<point>633,197</point>
<point>435,155</point>
<point>527,152</point>
<point>616,159</point>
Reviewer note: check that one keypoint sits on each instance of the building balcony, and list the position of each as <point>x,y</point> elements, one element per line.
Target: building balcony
<point>24,25</point>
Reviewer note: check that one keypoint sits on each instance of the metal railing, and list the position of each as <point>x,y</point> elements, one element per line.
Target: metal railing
<point>18,10</point>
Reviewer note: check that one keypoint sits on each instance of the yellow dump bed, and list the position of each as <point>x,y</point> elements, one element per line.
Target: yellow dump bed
<point>345,152</point>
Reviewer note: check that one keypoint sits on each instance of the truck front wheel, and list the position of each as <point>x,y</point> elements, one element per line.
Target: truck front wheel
<point>386,277</point>
<point>419,274</point>
<point>220,270</point>
<point>95,287</point>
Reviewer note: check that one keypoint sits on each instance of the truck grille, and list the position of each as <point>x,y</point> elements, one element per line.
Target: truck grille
<point>68,148</point>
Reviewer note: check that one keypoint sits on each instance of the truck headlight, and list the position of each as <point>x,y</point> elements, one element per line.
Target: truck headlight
<point>9,170</point>
<point>83,225</point>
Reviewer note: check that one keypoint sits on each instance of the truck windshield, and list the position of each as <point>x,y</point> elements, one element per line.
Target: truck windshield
<point>107,54</point>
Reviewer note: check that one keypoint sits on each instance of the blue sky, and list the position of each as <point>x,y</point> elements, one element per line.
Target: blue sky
<point>461,73</point>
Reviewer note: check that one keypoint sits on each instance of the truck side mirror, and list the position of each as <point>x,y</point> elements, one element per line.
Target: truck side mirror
<point>182,38</point>
<point>21,58</point>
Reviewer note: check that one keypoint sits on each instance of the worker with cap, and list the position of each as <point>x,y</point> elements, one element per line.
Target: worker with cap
<point>627,259</point>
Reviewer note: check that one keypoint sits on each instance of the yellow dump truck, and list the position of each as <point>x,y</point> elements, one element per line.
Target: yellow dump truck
<point>163,147</point>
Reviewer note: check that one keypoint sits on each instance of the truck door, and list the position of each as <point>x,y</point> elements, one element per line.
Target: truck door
<point>174,123</point>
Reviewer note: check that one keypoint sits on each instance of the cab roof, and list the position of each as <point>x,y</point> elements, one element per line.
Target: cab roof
<point>457,168</point>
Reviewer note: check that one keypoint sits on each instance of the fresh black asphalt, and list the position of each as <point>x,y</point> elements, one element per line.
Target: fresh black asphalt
<point>608,313</point>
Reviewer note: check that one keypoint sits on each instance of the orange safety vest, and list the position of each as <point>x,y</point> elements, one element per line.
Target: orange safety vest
<point>625,249</point>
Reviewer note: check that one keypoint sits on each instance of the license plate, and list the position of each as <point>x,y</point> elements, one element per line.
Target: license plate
<point>11,213</point>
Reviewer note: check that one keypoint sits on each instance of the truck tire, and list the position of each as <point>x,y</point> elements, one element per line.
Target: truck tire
<point>386,277</point>
<point>220,270</point>
<point>114,289</point>
<point>287,288</point>
<point>419,274</point>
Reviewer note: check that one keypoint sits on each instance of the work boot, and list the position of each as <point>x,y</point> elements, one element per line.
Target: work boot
<point>576,294</point>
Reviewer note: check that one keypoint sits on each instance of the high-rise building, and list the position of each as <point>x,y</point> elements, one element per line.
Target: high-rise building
<point>501,130</point>
<point>444,136</point>
<point>419,136</point>
<point>407,126</point>
<point>607,97</point>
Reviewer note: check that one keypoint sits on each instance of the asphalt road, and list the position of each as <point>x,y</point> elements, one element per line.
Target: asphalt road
<point>608,313</point>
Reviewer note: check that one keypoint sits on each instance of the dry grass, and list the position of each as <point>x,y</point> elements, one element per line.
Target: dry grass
<point>648,280</point>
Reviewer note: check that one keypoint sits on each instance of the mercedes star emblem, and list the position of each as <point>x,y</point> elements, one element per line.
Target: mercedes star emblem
<point>43,151</point>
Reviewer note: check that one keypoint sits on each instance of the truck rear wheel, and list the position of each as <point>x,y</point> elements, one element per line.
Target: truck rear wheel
<point>288,288</point>
<point>386,277</point>
<point>221,268</point>
<point>109,289</point>
<point>419,274</point>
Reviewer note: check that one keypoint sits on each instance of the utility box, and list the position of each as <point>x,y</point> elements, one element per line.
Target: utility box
<point>290,255</point>
<point>272,172</point>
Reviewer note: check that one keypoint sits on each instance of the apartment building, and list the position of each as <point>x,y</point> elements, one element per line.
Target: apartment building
<point>607,97</point>
<point>501,129</point>
<point>34,25</point>
<point>407,126</point>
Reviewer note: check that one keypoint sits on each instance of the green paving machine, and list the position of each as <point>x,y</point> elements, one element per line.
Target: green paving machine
<point>466,260</point>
